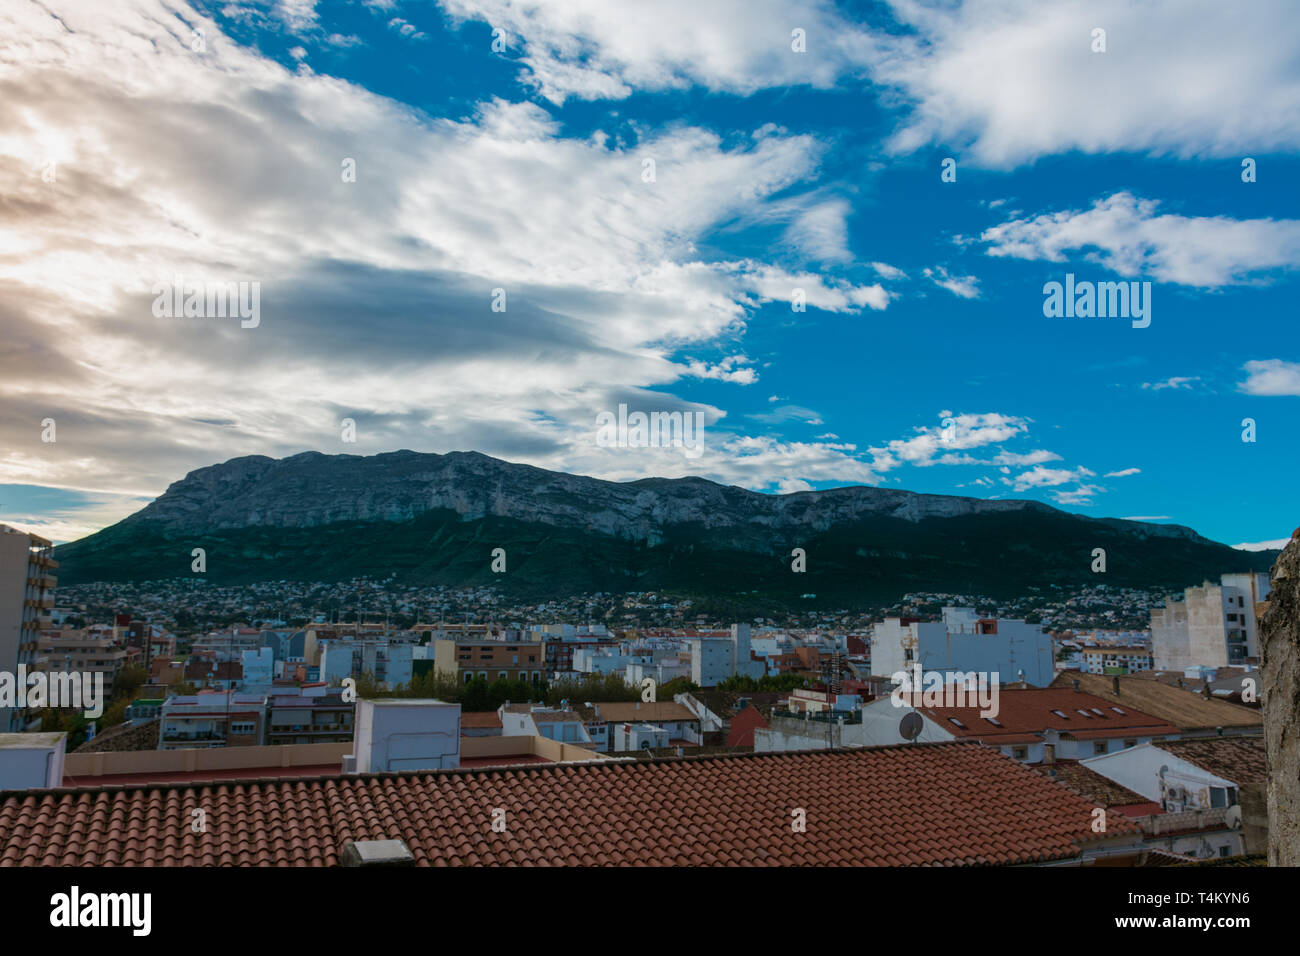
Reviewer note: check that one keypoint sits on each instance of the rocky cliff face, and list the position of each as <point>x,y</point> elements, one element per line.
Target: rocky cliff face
<point>1279,626</point>
<point>311,489</point>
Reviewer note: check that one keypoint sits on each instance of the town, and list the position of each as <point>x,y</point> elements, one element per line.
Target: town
<point>1146,740</point>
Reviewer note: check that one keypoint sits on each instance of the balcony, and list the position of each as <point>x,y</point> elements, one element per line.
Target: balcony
<point>185,735</point>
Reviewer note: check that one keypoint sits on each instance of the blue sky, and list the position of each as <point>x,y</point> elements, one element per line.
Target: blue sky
<point>206,140</point>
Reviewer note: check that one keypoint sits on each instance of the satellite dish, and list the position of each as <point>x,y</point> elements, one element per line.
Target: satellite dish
<point>909,728</point>
<point>1233,817</point>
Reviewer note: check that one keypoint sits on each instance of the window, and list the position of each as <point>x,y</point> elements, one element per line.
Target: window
<point>957,722</point>
<point>1083,713</point>
<point>1218,797</point>
<point>1099,747</point>
<point>1020,753</point>
<point>1118,711</point>
<point>1062,714</point>
<point>1130,743</point>
<point>994,721</point>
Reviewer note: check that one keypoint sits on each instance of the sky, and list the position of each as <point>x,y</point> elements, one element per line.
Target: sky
<point>829,230</point>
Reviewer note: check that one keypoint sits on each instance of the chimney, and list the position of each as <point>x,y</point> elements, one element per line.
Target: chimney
<point>1114,683</point>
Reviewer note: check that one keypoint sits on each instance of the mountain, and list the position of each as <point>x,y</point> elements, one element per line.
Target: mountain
<point>435,519</point>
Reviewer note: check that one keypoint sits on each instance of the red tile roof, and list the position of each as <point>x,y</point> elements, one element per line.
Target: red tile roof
<point>1025,714</point>
<point>929,804</point>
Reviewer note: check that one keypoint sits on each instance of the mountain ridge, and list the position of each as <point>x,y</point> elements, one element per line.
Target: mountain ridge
<point>435,518</point>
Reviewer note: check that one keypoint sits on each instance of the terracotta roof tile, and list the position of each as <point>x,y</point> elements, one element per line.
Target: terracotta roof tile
<point>931,804</point>
<point>1185,709</point>
<point>1239,759</point>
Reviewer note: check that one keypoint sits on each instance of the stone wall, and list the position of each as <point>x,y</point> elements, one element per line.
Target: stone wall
<point>1280,649</point>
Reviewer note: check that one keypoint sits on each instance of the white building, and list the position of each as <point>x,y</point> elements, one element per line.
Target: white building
<point>538,720</point>
<point>1213,625</point>
<point>714,659</point>
<point>259,666</point>
<point>963,641</point>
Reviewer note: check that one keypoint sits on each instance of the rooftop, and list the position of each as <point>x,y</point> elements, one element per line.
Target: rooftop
<point>928,804</point>
<point>1023,714</point>
<point>1239,759</point>
<point>1185,709</point>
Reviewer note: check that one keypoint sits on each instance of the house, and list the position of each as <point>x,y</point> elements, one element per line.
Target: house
<point>613,723</point>
<point>480,724</point>
<point>743,725</point>
<point>1032,725</point>
<point>1195,715</point>
<point>538,720</point>
<point>956,804</point>
<point>1197,784</point>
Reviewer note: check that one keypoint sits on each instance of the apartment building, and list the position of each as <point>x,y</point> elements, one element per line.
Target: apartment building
<point>1115,660</point>
<point>389,661</point>
<point>212,719</point>
<point>310,716</point>
<point>27,584</point>
<point>491,660</point>
<point>93,650</point>
<point>1211,626</point>
<point>714,659</point>
<point>964,641</point>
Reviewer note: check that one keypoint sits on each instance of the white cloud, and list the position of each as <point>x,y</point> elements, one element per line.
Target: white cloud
<point>375,293</point>
<point>1123,474</point>
<point>965,287</point>
<point>592,49</point>
<point>1126,235</point>
<point>1040,477</point>
<point>886,271</point>
<point>962,432</point>
<point>1276,544</point>
<point>788,486</point>
<point>1002,82</point>
<point>1271,377</point>
<point>1081,495</point>
<point>1007,81</point>
<point>1177,382</point>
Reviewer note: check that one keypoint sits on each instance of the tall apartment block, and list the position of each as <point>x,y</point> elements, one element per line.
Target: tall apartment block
<point>1212,626</point>
<point>26,594</point>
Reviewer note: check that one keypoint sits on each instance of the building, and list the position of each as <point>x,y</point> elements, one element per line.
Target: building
<point>92,650</point>
<point>212,719</point>
<point>389,662</point>
<point>714,659</point>
<point>612,725</point>
<point>949,805</point>
<point>538,720</point>
<point>490,660</point>
<point>313,715</point>
<point>1034,725</point>
<point>27,584</point>
<point>1198,784</point>
<point>1115,659</point>
<point>1212,626</point>
<point>963,641</point>
<point>1195,715</point>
